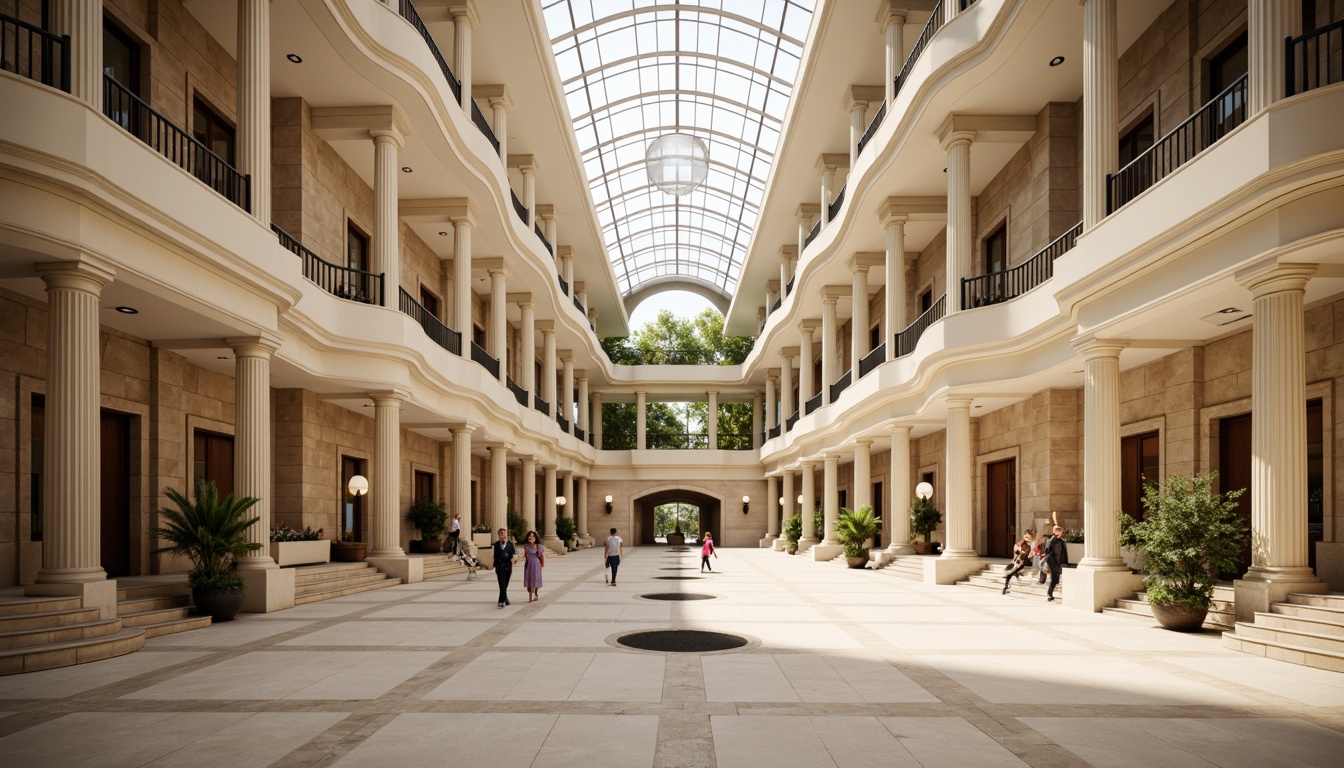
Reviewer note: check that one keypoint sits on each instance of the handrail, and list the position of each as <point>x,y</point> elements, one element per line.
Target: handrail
<point>734,441</point>
<point>934,24</point>
<point>872,127</point>
<point>1313,59</point>
<point>518,206</point>
<point>1195,134</point>
<point>478,117</point>
<point>564,286</point>
<point>775,307</point>
<point>676,441</point>
<point>812,404</point>
<point>789,422</point>
<point>833,209</point>
<point>541,405</point>
<point>578,304</point>
<point>873,359</point>
<point>34,53</point>
<point>343,282</point>
<point>906,340</point>
<point>812,235</point>
<point>179,147</point>
<point>485,359</point>
<point>995,287</point>
<point>773,432</point>
<point>434,328</point>
<point>580,434</point>
<point>840,385</point>
<point>562,421</point>
<point>537,228</point>
<point>408,12</point>
<point>519,393</point>
<point>788,287</point>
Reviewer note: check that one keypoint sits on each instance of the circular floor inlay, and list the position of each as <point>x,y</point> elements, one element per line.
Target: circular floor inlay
<point>678,568</point>
<point>682,641</point>
<point>677,596</point>
<point>676,578</point>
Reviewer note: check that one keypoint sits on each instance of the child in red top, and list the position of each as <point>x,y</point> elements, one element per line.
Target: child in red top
<point>706,551</point>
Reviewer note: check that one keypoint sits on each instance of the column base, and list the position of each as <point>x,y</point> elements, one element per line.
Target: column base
<point>823,551</point>
<point>1091,589</point>
<point>554,544</point>
<point>268,590</point>
<point>780,544</point>
<point>1254,596</point>
<point>389,552</point>
<point>768,541</point>
<point>945,570</point>
<point>805,544</point>
<point>900,550</point>
<point>408,569</point>
<point>958,554</point>
<point>100,594</point>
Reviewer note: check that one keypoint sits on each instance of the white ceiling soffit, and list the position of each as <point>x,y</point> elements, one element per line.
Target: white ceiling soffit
<point>720,70</point>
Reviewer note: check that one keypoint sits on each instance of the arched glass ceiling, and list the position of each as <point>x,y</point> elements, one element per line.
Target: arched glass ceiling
<point>720,70</point>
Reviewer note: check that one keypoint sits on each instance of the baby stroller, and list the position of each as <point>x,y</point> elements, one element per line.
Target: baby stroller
<point>464,556</point>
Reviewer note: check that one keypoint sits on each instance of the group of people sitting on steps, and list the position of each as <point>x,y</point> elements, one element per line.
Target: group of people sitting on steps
<point>1048,555</point>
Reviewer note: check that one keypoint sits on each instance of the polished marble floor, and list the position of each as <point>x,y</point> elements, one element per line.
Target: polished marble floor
<point>843,668</point>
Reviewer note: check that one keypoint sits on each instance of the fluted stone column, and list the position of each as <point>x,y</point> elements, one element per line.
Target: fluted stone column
<point>787,255</point>
<point>581,510</point>
<point>786,407</point>
<point>462,477</point>
<point>567,490</point>
<point>863,475</point>
<point>831,495</point>
<point>829,369</point>
<point>499,322</point>
<point>756,420</point>
<point>857,111</point>
<point>71,548</point>
<point>1101,453</point>
<point>897,520</point>
<point>82,20</point>
<point>386,482</point>
<point>548,369</point>
<point>712,420</point>
<point>254,102</point>
<point>1101,138</point>
<point>641,420</point>
<point>959,234</point>
<point>808,493</point>
<point>858,336</point>
<point>771,419</point>
<point>1268,24</point>
<point>498,97</point>
<point>548,536</point>
<point>252,442</point>
<point>893,23</point>
<point>529,172</point>
<point>566,398</point>
<point>960,520</point>
<point>771,510</point>
<point>895,304</point>
<point>462,227</point>
<point>583,402</point>
<point>386,245</point>
<point>787,493</point>
<point>1278,440</point>
<point>597,420</point>
<point>464,23</point>
<point>805,388</point>
<point>527,343</point>
<point>529,506</point>
<point>499,483</point>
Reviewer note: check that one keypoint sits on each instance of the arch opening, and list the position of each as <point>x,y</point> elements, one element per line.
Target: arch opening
<point>699,511</point>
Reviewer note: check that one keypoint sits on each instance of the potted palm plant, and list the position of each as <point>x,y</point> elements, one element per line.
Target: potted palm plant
<point>854,530</point>
<point>793,531</point>
<point>212,533</point>
<point>924,520</point>
<point>1190,535</point>
<point>430,518</point>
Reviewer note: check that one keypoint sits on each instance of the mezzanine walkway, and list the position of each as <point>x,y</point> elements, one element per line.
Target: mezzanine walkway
<point>844,668</point>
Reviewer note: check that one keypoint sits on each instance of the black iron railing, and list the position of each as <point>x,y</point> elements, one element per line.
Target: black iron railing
<point>841,385</point>
<point>581,435</point>
<point>907,339</point>
<point>734,441</point>
<point>434,328</point>
<point>872,127</point>
<point>518,206</point>
<point>922,42</point>
<point>1195,134</point>
<point>549,248</point>
<point>519,393</point>
<point>871,360</point>
<point>564,286</point>
<point>788,287</point>
<point>792,420</point>
<point>578,304</point>
<point>408,12</point>
<point>32,52</point>
<point>676,441</point>
<point>772,433</point>
<point>478,117</point>
<point>181,148</point>
<point>812,235</point>
<point>995,287</point>
<point>812,404</point>
<point>833,210</point>
<point>342,282</point>
<point>483,358</point>
<point>775,307</point>
<point>562,421</point>
<point>1315,59</point>
<point>541,405</point>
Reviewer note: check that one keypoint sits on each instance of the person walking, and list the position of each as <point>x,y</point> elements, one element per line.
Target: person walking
<point>706,551</point>
<point>504,553</point>
<point>1021,558</point>
<point>534,559</point>
<point>613,549</point>
<point>455,534</point>
<point>1056,557</point>
<point>1038,554</point>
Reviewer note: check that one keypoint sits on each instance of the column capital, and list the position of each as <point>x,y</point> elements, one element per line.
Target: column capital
<point>495,95</point>
<point>1275,277</point>
<point>500,271</point>
<point>580,375</point>
<point>829,161</point>
<point>389,136</point>
<point>888,14</point>
<point>463,429</point>
<point>253,346</point>
<point>86,273</point>
<point>547,211</point>
<point>830,298</point>
<point>771,374</point>
<point>788,353</point>
<point>956,138</point>
<point>808,326</point>
<point>866,260</point>
<point>808,211</point>
<point>1092,348</point>
<point>465,13</point>
<point>860,96</point>
<point>391,397</point>
<point>363,122</point>
<point>959,401</point>
<point>897,429</point>
<point>523,300</point>
<point>787,252</point>
<point>524,163</point>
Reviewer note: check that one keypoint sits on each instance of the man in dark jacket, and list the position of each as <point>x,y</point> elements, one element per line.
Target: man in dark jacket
<point>1056,556</point>
<point>503,564</point>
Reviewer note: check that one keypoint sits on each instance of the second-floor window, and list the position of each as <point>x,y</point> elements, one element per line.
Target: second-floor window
<point>995,249</point>
<point>429,301</point>
<point>925,301</point>
<point>1225,67</point>
<point>356,249</point>
<point>211,130</point>
<point>1137,140</point>
<point>121,57</point>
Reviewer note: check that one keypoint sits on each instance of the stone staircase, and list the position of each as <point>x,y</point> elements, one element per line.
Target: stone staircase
<point>314,583</point>
<point>438,566</point>
<point>1222,614</point>
<point>45,633</point>
<point>991,579</point>
<point>1307,630</point>
<point>908,567</point>
<point>158,608</point>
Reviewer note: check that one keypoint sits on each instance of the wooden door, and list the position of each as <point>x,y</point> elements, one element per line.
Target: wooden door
<point>213,461</point>
<point>877,512</point>
<point>115,496</point>
<point>1234,471</point>
<point>351,513</point>
<point>1001,493</point>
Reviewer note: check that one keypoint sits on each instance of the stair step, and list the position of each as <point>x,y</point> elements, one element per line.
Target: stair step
<point>18,660</point>
<point>24,621</point>
<point>153,616</point>
<point>175,625</point>
<point>313,597</point>
<point>135,592</point>
<point>1299,624</point>
<point>28,605</point>
<point>47,636</point>
<point>307,570</point>
<point>1147,615</point>
<point>142,604</point>
<point>1293,654</point>
<point>1314,612</point>
<point>1296,637</point>
<point>339,581</point>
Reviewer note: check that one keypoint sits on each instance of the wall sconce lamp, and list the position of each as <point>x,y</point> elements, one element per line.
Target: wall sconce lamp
<point>800,499</point>
<point>924,491</point>
<point>608,504</point>
<point>560,501</point>
<point>358,485</point>
<point>746,504</point>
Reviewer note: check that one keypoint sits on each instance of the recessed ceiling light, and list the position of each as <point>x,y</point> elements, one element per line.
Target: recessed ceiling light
<point>1055,62</point>
<point>405,169</point>
<point>294,57</point>
<point>128,310</point>
<point>1229,311</point>
<point>443,234</point>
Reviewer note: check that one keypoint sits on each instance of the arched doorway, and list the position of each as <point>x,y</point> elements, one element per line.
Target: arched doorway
<point>707,509</point>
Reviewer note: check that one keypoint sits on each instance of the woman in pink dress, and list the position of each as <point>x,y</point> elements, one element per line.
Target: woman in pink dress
<point>706,551</point>
<point>534,559</point>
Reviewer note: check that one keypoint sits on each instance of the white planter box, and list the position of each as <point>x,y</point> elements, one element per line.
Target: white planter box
<point>301,552</point>
<point>482,539</point>
<point>1075,552</point>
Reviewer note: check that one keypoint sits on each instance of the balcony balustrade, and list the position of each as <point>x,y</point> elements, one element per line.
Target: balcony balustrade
<point>34,53</point>
<point>997,287</point>
<point>1314,59</point>
<point>906,340</point>
<point>342,282</point>
<point>484,359</point>
<point>871,360</point>
<point>434,328</point>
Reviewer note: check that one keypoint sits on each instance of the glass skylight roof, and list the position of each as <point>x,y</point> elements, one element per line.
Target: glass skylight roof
<point>720,70</point>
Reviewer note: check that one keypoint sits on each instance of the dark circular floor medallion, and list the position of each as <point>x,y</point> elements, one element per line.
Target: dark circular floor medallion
<point>678,568</point>
<point>677,596</point>
<point>682,641</point>
<point>676,578</point>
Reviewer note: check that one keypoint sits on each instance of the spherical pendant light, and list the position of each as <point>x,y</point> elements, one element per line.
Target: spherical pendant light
<point>677,163</point>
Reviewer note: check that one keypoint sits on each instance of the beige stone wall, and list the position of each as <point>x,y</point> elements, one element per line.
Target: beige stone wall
<point>929,271</point>
<point>735,529</point>
<point>1043,434</point>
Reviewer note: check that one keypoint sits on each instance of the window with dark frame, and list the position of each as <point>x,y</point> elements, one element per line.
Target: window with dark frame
<point>429,301</point>
<point>212,130</point>
<point>1224,68</point>
<point>995,250</point>
<point>925,301</point>
<point>212,461</point>
<point>1140,464</point>
<point>121,62</point>
<point>36,466</point>
<point>1137,140</point>
<point>356,257</point>
<point>424,485</point>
